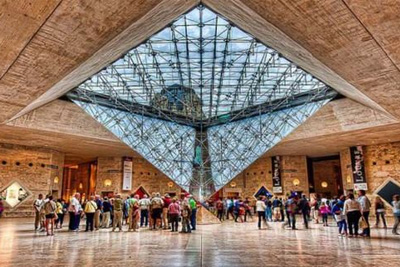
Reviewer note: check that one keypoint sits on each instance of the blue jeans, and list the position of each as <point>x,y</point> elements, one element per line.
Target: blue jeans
<point>268,214</point>
<point>342,226</point>
<point>193,219</point>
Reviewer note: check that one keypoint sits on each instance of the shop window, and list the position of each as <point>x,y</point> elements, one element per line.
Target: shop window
<point>14,194</point>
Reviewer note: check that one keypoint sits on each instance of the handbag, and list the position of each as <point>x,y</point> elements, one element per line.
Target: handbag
<point>363,223</point>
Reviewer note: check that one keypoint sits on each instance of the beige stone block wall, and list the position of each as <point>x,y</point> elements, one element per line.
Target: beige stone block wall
<point>381,162</point>
<point>144,175</point>
<point>37,178</point>
<point>295,167</point>
<point>260,174</point>
<point>326,171</point>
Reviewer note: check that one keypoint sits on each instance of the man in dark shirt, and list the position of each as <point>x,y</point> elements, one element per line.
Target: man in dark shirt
<point>97,213</point>
<point>304,207</point>
<point>107,208</point>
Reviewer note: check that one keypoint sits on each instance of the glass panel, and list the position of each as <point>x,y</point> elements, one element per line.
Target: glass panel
<point>167,145</point>
<point>216,67</point>
<point>234,146</point>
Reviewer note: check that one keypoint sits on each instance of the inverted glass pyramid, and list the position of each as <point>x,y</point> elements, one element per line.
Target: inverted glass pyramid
<point>201,99</point>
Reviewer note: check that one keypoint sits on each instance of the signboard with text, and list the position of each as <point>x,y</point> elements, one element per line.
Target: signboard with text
<point>358,168</point>
<point>276,175</point>
<point>127,174</point>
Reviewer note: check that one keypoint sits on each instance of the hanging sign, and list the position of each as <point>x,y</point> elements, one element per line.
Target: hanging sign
<point>127,174</point>
<point>276,175</point>
<point>357,165</point>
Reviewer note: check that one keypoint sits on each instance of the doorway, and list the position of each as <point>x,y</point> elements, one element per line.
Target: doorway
<point>325,176</point>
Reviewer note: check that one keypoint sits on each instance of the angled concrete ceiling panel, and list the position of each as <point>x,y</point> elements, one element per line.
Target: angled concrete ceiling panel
<point>329,38</point>
<point>79,39</point>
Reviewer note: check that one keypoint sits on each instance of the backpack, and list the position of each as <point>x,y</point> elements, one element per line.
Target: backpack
<point>156,203</point>
<point>220,206</point>
<point>118,204</point>
<point>185,212</point>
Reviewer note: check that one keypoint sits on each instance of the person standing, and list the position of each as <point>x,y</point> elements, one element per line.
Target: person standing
<point>144,205</point>
<point>50,208</point>
<point>292,209</point>
<point>90,210</point>
<point>193,214</point>
<point>60,214</point>
<point>365,208</point>
<point>260,208</point>
<point>186,212</point>
<point>315,203</point>
<point>74,210</point>
<point>174,210</point>
<point>352,209</point>
<point>166,202</point>
<point>118,206</point>
<point>324,210</point>
<point>282,209</point>
<point>304,207</point>
<point>380,212</point>
<point>156,209</point>
<point>229,208</point>
<point>340,217</point>
<point>276,208</point>
<point>220,209</point>
<point>396,213</point>
<point>133,212</point>
<point>1,206</point>
<point>37,205</point>
<point>99,205</point>
<point>107,209</point>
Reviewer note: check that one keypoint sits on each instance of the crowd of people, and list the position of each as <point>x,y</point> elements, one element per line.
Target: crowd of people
<point>165,212</point>
<point>347,212</point>
<point>153,212</point>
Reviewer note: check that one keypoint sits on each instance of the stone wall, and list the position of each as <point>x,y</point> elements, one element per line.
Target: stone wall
<point>248,182</point>
<point>381,162</point>
<point>326,171</point>
<point>34,170</point>
<point>144,175</point>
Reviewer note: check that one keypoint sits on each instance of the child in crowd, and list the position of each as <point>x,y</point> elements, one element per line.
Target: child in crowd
<point>324,210</point>
<point>340,217</point>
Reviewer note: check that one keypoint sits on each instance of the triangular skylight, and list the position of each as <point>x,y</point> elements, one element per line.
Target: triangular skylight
<point>204,72</point>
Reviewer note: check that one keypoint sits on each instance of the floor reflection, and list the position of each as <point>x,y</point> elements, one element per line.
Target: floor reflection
<point>228,244</point>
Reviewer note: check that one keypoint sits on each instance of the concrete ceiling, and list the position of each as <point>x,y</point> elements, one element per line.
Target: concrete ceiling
<point>50,46</point>
<point>63,126</point>
<point>53,45</point>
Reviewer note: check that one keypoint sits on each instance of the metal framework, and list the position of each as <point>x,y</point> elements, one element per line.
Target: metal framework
<point>201,99</point>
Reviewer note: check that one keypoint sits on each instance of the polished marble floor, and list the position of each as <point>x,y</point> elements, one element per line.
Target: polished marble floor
<point>228,244</point>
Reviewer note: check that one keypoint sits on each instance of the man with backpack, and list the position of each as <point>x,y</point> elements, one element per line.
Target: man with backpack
<point>118,206</point>
<point>156,209</point>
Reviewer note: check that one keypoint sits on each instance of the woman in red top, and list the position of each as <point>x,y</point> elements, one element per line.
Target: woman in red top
<point>173,211</point>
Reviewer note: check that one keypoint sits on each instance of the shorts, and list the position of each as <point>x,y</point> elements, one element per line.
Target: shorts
<point>156,214</point>
<point>50,216</point>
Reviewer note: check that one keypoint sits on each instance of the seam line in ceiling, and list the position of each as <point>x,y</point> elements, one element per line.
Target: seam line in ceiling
<point>370,34</point>
<point>30,40</point>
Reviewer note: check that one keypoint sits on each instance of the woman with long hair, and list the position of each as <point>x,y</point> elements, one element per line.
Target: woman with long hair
<point>352,209</point>
<point>380,212</point>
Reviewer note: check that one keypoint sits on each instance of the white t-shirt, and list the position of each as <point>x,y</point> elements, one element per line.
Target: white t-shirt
<point>260,205</point>
<point>75,206</point>
<point>144,203</point>
<point>39,204</point>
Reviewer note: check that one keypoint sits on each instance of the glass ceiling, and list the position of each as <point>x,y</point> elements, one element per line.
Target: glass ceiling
<point>227,69</point>
<point>201,100</point>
